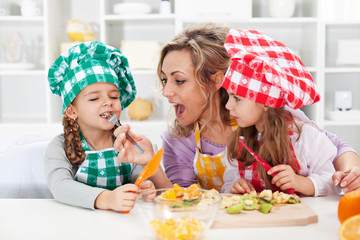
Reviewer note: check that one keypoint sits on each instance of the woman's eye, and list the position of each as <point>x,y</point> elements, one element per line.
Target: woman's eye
<point>179,82</point>
<point>164,80</point>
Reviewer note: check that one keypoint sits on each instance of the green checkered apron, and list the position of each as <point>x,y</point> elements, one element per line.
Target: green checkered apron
<point>102,169</point>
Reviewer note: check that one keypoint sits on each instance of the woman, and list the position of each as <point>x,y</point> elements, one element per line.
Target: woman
<point>196,140</point>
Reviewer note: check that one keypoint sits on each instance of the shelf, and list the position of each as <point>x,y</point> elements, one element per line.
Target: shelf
<point>21,19</point>
<point>31,129</point>
<point>22,72</point>
<point>143,72</point>
<point>342,123</point>
<point>285,20</point>
<point>342,70</point>
<point>139,17</point>
<point>342,23</point>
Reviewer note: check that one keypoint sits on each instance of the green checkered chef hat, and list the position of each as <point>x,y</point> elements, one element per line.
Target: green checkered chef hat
<point>88,63</point>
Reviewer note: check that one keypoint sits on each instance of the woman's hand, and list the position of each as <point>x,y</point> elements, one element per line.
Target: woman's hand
<point>127,151</point>
<point>242,186</point>
<point>120,199</point>
<point>349,180</point>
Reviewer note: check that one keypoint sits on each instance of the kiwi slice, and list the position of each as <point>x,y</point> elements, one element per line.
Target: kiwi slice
<point>265,207</point>
<point>250,203</point>
<point>235,208</point>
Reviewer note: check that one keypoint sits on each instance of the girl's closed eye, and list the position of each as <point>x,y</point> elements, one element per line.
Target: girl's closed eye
<point>114,96</point>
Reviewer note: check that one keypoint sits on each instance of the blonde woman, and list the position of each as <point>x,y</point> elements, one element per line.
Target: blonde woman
<point>191,69</point>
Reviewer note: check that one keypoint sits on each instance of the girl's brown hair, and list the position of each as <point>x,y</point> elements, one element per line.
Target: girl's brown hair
<point>275,142</point>
<point>73,149</point>
<point>205,43</point>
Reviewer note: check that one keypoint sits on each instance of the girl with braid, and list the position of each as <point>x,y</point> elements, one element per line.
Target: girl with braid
<point>82,167</point>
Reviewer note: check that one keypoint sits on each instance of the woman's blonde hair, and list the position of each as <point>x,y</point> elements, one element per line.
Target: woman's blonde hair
<point>273,145</point>
<point>205,44</point>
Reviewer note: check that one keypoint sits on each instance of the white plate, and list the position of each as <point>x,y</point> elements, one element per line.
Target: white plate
<point>16,66</point>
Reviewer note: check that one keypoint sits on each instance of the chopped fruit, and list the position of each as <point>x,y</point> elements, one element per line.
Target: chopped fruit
<point>250,202</point>
<point>350,228</point>
<point>182,228</point>
<point>192,192</point>
<point>265,208</point>
<point>178,190</point>
<point>169,195</point>
<point>235,208</point>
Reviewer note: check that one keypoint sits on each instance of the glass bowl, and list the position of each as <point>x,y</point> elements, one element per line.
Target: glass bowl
<point>185,216</point>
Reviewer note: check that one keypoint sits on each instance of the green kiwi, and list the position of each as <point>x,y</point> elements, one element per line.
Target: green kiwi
<point>265,207</point>
<point>250,203</point>
<point>235,208</point>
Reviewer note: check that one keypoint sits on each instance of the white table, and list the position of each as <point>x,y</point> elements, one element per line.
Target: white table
<point>48,219</point>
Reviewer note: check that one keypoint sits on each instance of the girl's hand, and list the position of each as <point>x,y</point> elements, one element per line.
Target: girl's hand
<point>285,177</point>
<point>348,180</point>
<point>242,186</point>
<point>148,186</point>
<point>120,199</point>
<point>127,151</point>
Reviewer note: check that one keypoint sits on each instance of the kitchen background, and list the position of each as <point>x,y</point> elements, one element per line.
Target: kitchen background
<point>324,33</point>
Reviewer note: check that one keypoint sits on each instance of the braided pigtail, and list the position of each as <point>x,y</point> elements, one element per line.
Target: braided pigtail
<point>73,149</point>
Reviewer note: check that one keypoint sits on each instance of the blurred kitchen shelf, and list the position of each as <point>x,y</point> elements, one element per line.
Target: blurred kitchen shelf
<point>342,123</point>
<point>310,33</point>
<point>343,70</point>
<point>139,17</point>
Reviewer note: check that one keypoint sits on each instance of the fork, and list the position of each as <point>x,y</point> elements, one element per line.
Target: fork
<point>113,119</point>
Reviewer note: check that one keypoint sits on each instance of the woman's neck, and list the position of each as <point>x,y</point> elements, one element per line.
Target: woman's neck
<point>215,130</point>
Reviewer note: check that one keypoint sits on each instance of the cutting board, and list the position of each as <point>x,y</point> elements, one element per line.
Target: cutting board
<point>280,215</point>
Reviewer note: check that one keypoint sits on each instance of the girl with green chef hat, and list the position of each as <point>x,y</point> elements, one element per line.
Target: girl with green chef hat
<point>82,168</point>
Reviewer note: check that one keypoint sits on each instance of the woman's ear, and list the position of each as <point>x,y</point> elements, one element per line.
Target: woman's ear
<point>218,78</point>
<point>71,112</point>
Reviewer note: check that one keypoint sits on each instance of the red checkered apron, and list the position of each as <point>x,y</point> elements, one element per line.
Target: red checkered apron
<point>251,173</point>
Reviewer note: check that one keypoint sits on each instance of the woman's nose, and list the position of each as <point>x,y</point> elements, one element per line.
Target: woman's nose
<point>167,91</point>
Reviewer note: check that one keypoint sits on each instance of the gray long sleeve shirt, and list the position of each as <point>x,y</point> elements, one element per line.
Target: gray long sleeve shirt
<point>60,177</point>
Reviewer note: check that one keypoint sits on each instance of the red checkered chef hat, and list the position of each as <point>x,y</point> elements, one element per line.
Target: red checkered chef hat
<point>266,71</point>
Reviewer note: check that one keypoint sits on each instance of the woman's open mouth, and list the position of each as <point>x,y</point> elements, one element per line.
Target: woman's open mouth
<point>179,109</point>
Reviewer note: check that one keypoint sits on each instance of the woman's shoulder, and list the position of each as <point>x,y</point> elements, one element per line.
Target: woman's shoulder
<point>171,139</point>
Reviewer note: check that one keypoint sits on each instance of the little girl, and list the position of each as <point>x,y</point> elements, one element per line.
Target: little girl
<point>94,81</point>
<point>263,77</point>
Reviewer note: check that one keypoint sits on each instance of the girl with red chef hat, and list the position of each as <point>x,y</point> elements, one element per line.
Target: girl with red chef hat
<point>264,76</point>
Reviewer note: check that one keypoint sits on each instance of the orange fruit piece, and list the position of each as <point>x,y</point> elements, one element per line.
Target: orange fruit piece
<point>350,229</point>
<point>178,190</point>
<point>349,205</point>
<point>192,192</point>
<point>169,195</point>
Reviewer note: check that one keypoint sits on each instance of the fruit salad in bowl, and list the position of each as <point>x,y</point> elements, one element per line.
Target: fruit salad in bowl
<point>178,213</point>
